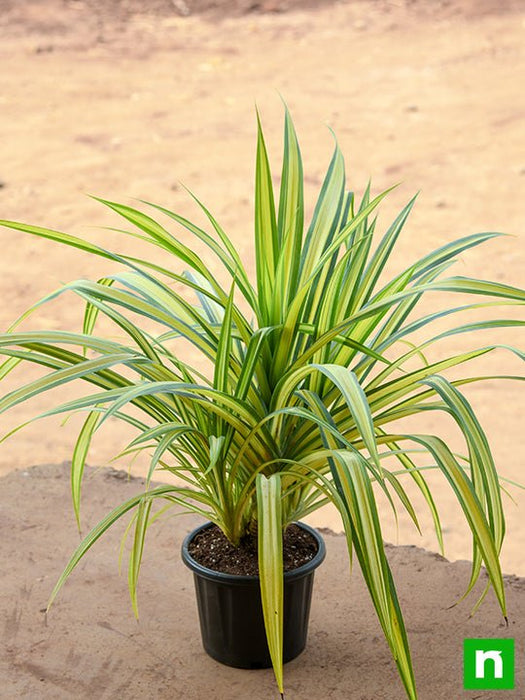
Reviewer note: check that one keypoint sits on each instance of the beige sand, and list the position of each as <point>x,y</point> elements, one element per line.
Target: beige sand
<point>423,93</point>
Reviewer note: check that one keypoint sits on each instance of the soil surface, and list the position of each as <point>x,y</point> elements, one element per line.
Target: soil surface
<point>128,99</point>
<point>211,549</point>
<point>90,645</point>
<point>121,10</point>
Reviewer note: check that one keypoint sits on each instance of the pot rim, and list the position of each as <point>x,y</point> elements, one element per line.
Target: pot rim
<point>240,579</point>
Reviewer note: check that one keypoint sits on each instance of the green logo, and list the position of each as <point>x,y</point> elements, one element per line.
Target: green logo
<point>488,664</point>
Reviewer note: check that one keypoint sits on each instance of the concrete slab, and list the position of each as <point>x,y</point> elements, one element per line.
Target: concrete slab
<point>92,647</point>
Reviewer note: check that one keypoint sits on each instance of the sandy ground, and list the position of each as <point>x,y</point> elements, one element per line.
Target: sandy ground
<point>124,105</point>
<point>92,647</point>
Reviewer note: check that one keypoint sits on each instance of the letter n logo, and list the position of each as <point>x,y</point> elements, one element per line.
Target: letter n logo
<point>488,664</point>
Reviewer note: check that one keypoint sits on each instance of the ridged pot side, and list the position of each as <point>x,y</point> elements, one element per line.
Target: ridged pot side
<point>230,609</point>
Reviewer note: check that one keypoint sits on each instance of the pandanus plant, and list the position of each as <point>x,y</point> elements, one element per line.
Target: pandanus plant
<point>303,387</point>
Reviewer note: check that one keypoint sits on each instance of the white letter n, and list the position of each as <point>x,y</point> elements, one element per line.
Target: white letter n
<point>482,656</point>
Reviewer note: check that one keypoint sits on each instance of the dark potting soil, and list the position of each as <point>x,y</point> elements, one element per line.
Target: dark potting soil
<point>212,549</point>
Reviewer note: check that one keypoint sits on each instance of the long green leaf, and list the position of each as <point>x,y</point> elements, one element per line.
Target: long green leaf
<point>266,235</point>
<point>78,459</point>
<point>100,529</point>
<point>135,557</point>
<point>353,484</point>
<point>270,553</point>
<point>472,508</point>
<point>289,224</point>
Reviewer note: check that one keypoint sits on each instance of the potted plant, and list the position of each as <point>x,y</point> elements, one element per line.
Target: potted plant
<point>308,368</point>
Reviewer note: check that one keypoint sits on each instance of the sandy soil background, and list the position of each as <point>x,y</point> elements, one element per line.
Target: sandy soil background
<point>128,99</point>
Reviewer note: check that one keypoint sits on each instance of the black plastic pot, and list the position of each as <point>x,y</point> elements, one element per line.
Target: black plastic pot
<point>230,610</point>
